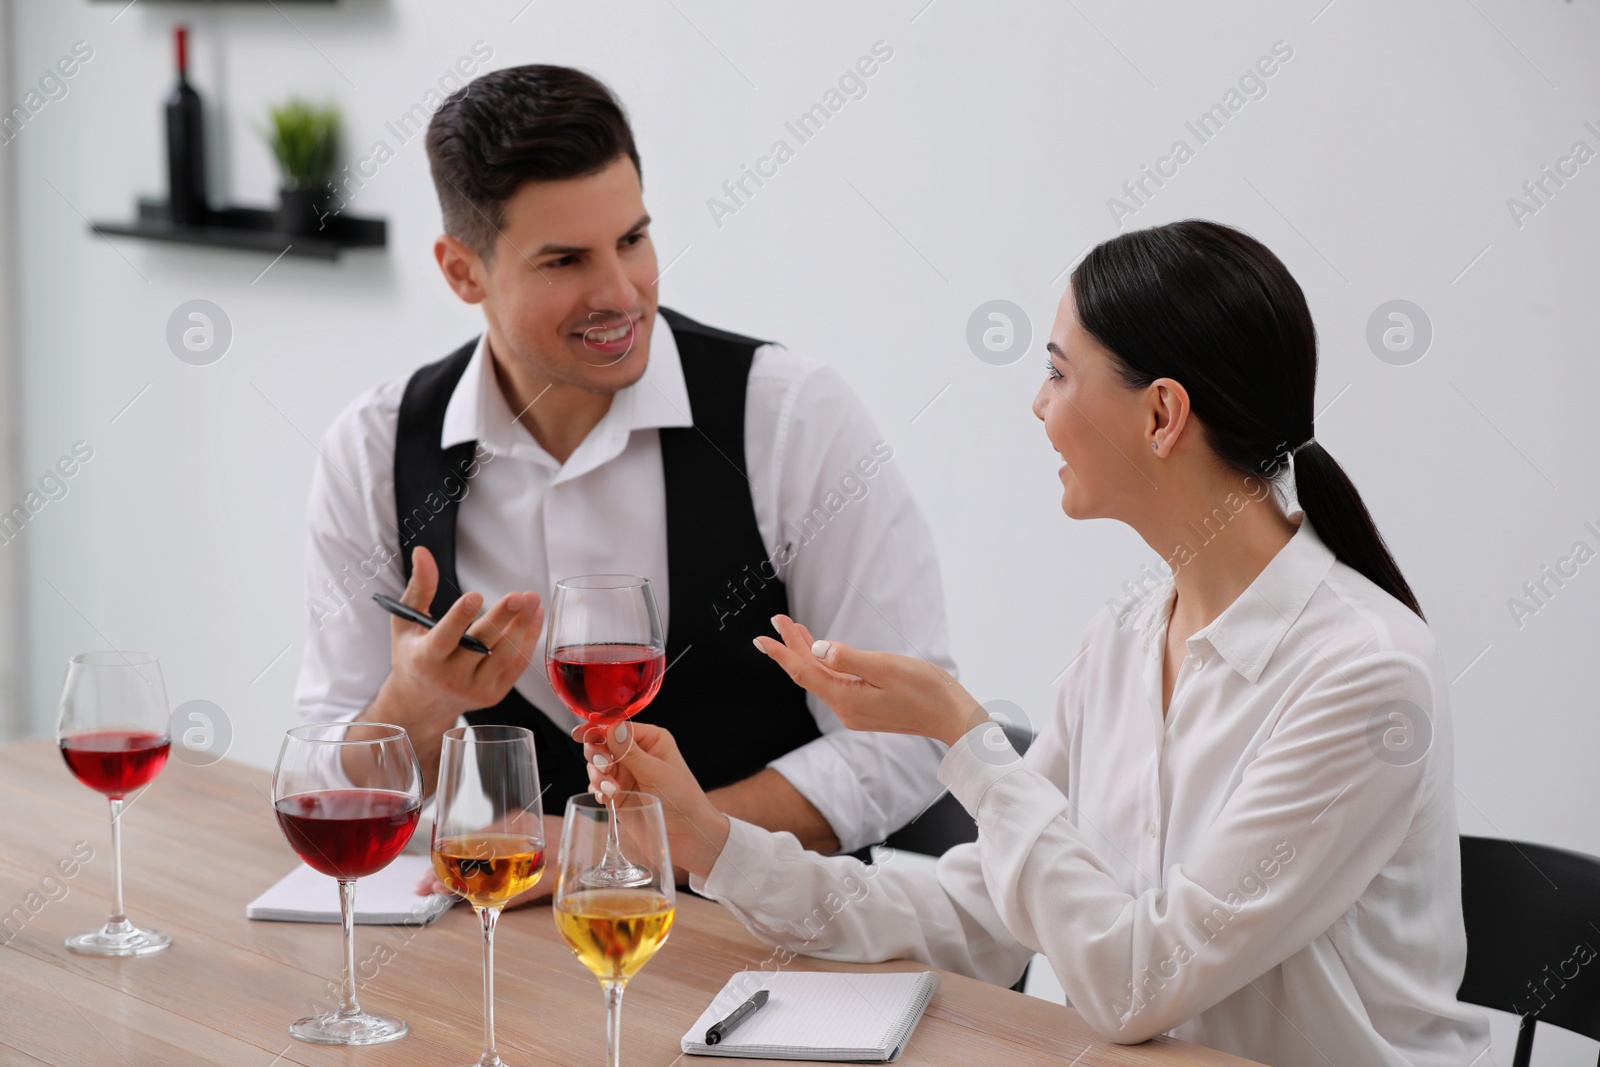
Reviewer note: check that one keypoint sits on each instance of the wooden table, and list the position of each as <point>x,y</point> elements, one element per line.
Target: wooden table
<point>200,843</point>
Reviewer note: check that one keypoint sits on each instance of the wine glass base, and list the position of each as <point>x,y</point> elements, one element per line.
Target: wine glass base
<point>624,875</point>
<point>119,939</point>
<point>359,1029</point>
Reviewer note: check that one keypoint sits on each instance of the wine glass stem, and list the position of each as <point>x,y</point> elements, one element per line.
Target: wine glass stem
<point>491,1055</point>
<point>347,919</point>
<point>117,916</point>
<point>614,989</point>
<point>614,858</point>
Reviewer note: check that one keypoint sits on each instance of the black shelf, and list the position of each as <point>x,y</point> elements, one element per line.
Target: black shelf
<point>250,229</point>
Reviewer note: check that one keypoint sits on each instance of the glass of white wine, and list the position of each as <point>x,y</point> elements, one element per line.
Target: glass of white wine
<point>614,931</point>
<point>488,833</point>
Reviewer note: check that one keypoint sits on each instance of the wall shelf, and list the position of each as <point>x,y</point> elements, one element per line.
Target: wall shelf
<point>249,229</point>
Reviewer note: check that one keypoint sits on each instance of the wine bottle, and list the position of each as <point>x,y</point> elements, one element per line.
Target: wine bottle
<point>186,164</point>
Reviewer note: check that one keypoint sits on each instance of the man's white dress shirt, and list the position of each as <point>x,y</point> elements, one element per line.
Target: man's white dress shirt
<point>1271,869</point>
<point>851,546</point>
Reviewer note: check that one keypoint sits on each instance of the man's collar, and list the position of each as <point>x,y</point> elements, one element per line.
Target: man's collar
<point>478,410</point>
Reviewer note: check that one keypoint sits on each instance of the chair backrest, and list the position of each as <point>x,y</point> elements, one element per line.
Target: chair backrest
<point>1533,935</point>
<point>945,823</point>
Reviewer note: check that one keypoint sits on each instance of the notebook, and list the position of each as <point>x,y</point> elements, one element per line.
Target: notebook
<point>814,1015</point>
<point>388,897</point>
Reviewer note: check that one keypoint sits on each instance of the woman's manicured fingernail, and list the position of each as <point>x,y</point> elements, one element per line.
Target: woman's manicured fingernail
<point>759,646</point>
<point>601,761</point>
<point>608,787</point>
<point>621,732</point>
<point>774,621</point>
<point>819,649</point>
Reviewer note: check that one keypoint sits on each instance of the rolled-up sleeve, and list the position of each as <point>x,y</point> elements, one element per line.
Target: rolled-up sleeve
<point>859,564</point>
<point>350,554</point>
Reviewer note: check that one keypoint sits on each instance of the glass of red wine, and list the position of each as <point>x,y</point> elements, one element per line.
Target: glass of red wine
<point>347,833</point>
<point>114,736</point>
<point>605,657</point>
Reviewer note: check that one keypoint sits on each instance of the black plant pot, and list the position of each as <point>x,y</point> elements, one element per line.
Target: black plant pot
<point>300,212</point>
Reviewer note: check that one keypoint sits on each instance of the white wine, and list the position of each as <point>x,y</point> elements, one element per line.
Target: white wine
<point>488,869</point>
<point>614,931</point>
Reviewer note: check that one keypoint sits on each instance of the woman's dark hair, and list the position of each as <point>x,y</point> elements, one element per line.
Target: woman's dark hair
<point>533,123</point>
<point>1214,309</point>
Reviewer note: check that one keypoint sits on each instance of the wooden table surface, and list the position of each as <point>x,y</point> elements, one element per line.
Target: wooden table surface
<point>200,843</point>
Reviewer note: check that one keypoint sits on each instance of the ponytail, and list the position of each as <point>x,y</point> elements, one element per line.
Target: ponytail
<point>1340,517</point>
<point>1213,308</point>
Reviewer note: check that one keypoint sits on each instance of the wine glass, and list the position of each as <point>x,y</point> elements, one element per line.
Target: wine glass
<point>605,659</point>
<point>614,930</point>
<point>488,833</point>
<point>347,833</point>
<point>113,732</point>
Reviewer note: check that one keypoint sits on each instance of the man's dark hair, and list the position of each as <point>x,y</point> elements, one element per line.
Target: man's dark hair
<point>533,123</point>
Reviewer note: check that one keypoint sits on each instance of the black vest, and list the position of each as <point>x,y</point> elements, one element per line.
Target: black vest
<point>731,709</point>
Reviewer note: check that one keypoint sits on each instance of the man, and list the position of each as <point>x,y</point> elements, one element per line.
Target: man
<point>586,433</point>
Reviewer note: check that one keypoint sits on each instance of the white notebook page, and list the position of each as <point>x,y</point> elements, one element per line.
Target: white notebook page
<point>387,897</point>
<point>816,1011</point>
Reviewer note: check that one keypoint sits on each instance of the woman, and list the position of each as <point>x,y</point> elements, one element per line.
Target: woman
<point>1238,827</point>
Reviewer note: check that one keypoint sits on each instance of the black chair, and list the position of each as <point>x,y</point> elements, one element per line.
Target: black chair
<point>1533,935</point>
<point>945,824</point>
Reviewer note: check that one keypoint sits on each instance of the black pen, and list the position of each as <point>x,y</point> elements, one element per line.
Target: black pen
<point>394,607</point>
<point>740,1014</point>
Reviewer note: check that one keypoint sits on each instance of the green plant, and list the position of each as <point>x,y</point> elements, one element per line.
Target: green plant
<point>304,138</point>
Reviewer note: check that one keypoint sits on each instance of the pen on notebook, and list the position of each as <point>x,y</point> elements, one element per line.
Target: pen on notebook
<point>394,607</point>
<point>740,1014</point>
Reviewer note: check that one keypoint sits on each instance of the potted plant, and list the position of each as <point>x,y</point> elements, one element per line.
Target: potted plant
<point>304,138</point>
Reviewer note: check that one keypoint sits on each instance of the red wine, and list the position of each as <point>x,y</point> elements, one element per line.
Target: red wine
<point>348,833</point>
<point>115,762</point>
<point>606,683</point>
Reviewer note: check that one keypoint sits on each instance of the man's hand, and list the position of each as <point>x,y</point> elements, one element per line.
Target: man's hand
<point>433,674</point>
<point>432,679</point>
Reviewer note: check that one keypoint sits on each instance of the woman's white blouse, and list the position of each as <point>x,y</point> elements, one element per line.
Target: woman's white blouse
<point>1271,869</point>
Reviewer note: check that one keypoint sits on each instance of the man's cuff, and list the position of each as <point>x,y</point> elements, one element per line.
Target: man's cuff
<point>981,757</point>
<point>828,783</point>
<point>743,867</point>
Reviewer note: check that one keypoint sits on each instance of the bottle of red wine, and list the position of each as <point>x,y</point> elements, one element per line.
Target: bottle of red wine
<point>186,162</point>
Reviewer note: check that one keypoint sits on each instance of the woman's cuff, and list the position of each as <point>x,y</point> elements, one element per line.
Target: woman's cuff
<point>742,868</point>
<point>980,758</point>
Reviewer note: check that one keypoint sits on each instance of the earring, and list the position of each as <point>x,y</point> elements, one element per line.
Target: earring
<point>1155,447</point>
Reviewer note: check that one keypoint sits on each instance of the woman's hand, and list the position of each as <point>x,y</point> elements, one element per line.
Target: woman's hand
<point>875,691</point>
<point>644,758</point>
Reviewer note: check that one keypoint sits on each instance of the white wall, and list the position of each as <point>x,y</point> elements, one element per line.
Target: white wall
<point>13,716</point>
<point>978,166</point>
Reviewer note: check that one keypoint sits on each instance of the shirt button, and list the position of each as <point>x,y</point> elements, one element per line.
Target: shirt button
<point>1150,828</point>
<point>1199,661</point>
